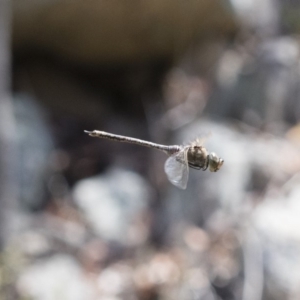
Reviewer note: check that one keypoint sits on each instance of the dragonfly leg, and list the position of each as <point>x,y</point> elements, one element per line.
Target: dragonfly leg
<point>206,164</point>
<point>194,167</point>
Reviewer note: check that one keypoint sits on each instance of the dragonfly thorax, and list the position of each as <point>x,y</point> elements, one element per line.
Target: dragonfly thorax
<point>197,157</point>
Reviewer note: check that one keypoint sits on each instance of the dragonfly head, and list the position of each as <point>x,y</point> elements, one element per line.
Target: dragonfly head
<point>214,162</point>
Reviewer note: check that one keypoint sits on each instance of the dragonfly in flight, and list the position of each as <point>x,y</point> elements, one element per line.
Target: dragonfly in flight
<point>180,158</point>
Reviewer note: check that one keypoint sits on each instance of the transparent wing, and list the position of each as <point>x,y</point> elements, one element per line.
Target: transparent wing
<point>177,169</point>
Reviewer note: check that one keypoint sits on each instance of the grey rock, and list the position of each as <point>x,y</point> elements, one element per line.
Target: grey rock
<point>59,277</point>
<point>113,202</point>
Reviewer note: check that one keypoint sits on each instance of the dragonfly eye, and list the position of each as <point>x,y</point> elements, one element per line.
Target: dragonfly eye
<point>215,163</point>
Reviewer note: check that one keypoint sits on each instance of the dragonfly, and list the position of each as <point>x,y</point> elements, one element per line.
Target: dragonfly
<point>181,157</point>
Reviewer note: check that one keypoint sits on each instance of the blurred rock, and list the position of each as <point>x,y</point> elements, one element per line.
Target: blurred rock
<point>59,277</point>
<point>115,205</point>
<point>276,221</point>
<point>115,282</point>
<point>259,84</point>
<point>33,243</point>
<point>35,144</point>
<point>116,31</point>
<point>262,16</point>
<point>290,12</point>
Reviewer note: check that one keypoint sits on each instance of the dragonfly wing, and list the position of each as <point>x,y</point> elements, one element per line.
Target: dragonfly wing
<point>177,169</point>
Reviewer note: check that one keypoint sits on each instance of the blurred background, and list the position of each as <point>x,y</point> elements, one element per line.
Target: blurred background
<point>84,218</point>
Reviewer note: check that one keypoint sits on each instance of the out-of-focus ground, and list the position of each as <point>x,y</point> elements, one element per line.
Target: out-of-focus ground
<point>84,218</point>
